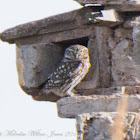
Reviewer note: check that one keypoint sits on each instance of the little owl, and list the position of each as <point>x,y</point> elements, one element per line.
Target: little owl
<point>69,73</point>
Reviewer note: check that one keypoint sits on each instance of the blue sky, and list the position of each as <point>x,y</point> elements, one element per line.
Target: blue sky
<point>18,112</point>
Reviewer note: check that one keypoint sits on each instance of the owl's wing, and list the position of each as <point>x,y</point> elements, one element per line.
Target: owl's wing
<point>64,73</point>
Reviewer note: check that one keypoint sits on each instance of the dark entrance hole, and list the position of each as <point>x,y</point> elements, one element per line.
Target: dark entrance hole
<point>67,43</point>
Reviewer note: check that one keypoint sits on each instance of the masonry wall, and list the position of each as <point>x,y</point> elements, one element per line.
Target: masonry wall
<point>114,75</point>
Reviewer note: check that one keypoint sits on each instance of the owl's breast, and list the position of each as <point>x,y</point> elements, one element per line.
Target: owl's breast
<point>86,64</point>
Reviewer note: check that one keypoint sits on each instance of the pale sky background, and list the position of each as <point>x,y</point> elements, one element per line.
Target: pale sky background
<point>18,111</point>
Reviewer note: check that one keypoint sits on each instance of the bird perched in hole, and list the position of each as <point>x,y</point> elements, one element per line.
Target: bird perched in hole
<point>69,73</point>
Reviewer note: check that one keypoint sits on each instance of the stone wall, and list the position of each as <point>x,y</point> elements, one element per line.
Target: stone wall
<point>111,31</point>
<point>101,126</point>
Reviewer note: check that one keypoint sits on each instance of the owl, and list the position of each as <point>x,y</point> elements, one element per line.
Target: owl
<point>69,73</point>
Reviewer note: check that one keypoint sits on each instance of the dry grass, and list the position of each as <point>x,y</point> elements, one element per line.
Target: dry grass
<point>118,130</point>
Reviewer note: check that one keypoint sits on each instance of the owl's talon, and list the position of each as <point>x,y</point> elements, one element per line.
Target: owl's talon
<point>74,91</point>
<point>71,94</point>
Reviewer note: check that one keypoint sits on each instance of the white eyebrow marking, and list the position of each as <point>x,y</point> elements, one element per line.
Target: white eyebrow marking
<point>70,73</point>
<point>56,82</point>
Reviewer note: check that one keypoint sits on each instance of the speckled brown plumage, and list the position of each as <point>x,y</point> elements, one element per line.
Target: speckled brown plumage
<point>70,72</point>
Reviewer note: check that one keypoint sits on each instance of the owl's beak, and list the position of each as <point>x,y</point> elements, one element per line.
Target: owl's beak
<point>77,56</point>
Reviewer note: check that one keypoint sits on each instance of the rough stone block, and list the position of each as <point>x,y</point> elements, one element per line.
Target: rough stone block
<point>100,126</point>
<point>123,33</point>
<point>120,5</point>
<point>59,23</point>
<point>136,47</point>
<point>131,21</point>
<point>109,2</point>
<point>104,54</point>
<point>35,63</point>
<point>67,36</point>
<point>117,90</point>
<point>125,63</point>
<point>106,18</point>
<point>99,74</point>
<point>70,107</point>
<point>91,80</point>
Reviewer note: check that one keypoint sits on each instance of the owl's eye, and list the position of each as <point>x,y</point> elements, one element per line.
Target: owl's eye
<point>81,51</point>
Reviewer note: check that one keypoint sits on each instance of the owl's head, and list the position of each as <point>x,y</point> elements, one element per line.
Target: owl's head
<point>76,52</point>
